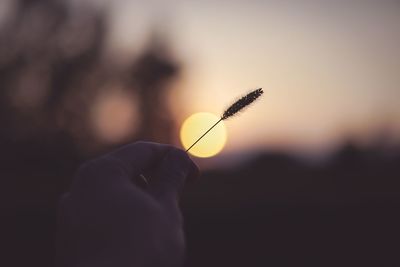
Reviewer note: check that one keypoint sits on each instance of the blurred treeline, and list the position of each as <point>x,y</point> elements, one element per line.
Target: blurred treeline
<point>53,68</point>
<point>274,210</point>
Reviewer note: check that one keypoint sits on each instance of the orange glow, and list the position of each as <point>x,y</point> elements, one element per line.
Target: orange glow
<point>114,116</point>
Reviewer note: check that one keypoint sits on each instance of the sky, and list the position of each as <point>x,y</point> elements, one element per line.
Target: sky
<point>330,69</point>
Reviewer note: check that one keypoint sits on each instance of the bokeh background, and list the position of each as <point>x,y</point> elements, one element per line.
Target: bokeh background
<point>310,175</point>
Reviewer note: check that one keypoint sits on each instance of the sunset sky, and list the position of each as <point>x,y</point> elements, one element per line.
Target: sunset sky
<point>330,69</point>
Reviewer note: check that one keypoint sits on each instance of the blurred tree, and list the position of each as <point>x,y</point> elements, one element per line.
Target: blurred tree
<point>151,74</point>
<point>52,70</point>
<point>47,51</point>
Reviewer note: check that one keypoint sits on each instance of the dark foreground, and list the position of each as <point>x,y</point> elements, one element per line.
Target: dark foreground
<point>274,211</point>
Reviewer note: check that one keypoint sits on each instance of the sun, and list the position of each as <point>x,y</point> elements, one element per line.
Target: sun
<point>196,125</point>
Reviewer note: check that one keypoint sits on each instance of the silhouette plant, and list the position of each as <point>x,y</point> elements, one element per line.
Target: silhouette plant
<point>233,109</point>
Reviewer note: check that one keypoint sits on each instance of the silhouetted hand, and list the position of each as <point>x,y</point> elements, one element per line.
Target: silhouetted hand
<point>106,220</point>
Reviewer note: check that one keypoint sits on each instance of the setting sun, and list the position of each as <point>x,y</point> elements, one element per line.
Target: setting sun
<point>196,125</point>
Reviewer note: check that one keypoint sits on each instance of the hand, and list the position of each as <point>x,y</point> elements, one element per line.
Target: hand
<point>106,220</point>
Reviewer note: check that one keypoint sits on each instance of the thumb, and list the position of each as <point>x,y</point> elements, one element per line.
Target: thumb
<point>169,178</point>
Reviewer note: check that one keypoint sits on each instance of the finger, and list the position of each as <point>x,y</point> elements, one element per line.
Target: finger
<point>115,170</point>
<point>173,170</point>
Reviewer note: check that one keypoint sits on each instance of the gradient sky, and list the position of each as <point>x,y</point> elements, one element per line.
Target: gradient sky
<point>330,69</point>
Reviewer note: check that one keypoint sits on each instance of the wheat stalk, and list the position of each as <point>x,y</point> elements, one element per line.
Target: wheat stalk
<point>233,109</point>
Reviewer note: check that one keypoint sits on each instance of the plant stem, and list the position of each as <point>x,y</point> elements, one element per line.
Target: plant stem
<point>203,135</point>
<point>144,177</point>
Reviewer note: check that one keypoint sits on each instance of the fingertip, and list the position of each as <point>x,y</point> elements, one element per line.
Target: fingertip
<point>192,170</point>
<point>182,158</point>
<point>173,173</point>
<point>178,154</point>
